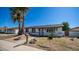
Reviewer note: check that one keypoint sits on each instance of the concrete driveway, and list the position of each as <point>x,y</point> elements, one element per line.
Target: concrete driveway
<point>9,46</point>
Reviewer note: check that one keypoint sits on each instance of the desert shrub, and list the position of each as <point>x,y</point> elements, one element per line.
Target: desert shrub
<point>51,36</point>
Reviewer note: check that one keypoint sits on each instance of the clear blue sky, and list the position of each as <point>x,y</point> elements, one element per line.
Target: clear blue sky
<point>43,16</point>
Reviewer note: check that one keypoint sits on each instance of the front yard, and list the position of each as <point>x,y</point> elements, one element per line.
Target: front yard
<point>57,44</point>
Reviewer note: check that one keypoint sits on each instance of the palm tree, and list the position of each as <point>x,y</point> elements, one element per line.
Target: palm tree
<point>18,14</point>
<point>66,28</point>
<point>23,10</point>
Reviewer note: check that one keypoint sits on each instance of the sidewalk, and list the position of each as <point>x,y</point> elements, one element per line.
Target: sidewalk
<point>9,46</point>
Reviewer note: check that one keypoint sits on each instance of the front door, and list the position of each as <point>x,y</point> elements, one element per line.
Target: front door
<point>40,32</point>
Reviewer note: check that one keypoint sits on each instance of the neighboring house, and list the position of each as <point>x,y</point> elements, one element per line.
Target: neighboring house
<point>2,30</point>
<point>12,30</point>
<point>74,32</point>
<point>44,30</point>
<point>9,30</point>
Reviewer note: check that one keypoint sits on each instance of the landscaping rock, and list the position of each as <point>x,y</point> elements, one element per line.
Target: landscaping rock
<point>72,39</point>
<point>32,41</point>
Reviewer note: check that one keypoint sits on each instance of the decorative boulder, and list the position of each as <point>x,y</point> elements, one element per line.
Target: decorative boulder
<point>72,39</point>
<point>32,41</point>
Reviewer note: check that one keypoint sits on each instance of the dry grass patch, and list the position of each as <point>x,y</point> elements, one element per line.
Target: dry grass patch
<point>6,37</point>
<point>60,44</point>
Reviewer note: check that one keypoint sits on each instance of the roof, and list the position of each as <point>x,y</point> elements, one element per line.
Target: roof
<point>44,26</point>
<point>76,29</point>
<point>40,26</point>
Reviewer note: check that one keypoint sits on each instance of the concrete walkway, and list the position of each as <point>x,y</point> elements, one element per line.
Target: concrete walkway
<point>9,46</point>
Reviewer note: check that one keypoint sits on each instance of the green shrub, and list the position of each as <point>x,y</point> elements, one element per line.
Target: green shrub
<point>50,36</point>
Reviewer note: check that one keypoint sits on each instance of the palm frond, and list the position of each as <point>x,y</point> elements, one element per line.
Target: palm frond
<point>17,13</point>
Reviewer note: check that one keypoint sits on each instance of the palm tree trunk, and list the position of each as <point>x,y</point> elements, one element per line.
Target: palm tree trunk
<point>23,26</point>
<point>19,28</point>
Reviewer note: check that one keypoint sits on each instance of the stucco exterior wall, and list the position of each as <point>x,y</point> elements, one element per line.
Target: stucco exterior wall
<point>30,29</point>
<point>16,31</point>
<point>59,29</point>
<point>36,30</point>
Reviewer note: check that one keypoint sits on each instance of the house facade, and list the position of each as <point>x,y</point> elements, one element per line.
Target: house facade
<point>44,30</point>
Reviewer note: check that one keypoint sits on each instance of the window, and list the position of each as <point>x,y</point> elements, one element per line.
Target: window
<point>26,29</point>
<point>51,29</point>
<point>33,29</point>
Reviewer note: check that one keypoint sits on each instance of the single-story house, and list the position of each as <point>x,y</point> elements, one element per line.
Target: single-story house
<point>44,30</point>
<point>12,30</point>
<point>74,32</point>
<point>9,30</point>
